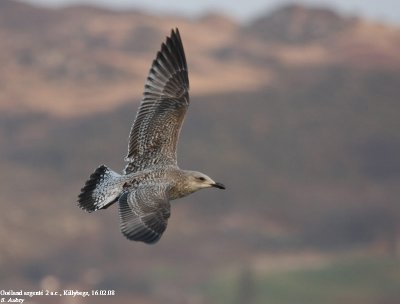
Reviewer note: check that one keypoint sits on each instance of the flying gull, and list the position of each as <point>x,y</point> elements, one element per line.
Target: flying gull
<point>152,177</point>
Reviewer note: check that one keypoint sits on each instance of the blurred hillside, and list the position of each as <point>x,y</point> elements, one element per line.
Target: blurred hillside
<point>296,112</point>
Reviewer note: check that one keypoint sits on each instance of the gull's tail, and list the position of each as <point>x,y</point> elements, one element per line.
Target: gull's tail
<point>101,190</point>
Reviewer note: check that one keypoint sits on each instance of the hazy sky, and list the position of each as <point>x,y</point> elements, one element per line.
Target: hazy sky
<point>386,10</point>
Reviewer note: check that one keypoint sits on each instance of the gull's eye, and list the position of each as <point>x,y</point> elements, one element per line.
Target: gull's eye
<point>201,178</point>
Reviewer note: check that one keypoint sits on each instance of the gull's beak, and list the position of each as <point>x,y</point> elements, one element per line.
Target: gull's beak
<point>218,185</point>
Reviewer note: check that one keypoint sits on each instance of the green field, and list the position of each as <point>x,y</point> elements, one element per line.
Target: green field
<point>363,281</point>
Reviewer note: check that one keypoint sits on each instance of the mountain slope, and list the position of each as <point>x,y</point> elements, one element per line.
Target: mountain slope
<point>302,129</point>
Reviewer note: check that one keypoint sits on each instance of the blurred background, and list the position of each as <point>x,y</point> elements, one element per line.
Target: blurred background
<point>295,108</point>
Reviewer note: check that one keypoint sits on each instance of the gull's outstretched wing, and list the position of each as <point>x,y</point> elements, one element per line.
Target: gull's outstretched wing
<point>144,213</point>
<point>154,134</point>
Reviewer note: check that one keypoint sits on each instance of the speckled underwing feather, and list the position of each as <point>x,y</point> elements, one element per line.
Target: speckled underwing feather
<point>144,213</point>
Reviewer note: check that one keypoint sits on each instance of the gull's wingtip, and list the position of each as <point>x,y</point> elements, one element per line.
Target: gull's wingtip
<point>175,32</point>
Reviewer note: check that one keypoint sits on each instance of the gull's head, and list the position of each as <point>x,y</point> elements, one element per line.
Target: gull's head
<point>197,180</point>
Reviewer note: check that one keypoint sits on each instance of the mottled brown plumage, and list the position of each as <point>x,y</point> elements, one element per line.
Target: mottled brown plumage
<point>152,177</point>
